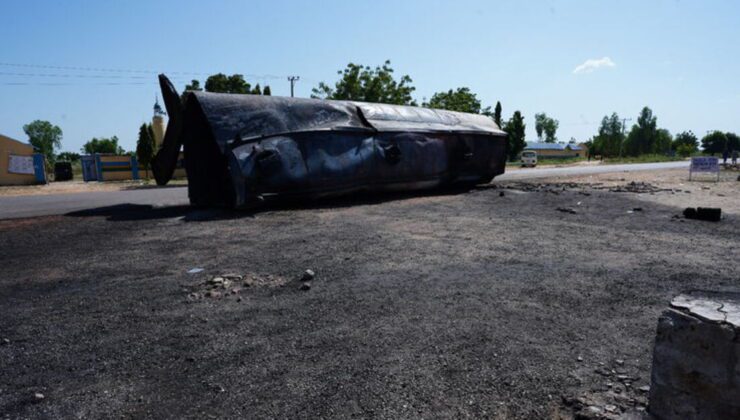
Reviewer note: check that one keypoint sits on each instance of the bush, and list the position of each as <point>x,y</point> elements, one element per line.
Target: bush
<point>685,150</point>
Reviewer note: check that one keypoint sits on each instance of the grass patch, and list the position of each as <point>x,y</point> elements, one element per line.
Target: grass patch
<point>559,161</point>
<point>643,159</point>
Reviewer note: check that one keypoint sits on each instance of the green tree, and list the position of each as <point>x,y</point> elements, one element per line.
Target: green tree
<point>733,142</point>
<point>497,114</point>
<point>145,147</point>
<point>257,90</point>
<point>643,136</point>
<point>608,142</point>
<point>714,142</point>
<point>461,100</point>
<point>45,138</point>
<point>685,143</point>
<point>194,85</point>
<point>539,124</point>
<point>515,135</point>
<point>221,83</point>
<point>547,126</point>
<point>68,157</point>
<point>103,145</point>
<point>551,128</point>
<point>266,91</point>
<point>362,83</point>
<point>663,141</point>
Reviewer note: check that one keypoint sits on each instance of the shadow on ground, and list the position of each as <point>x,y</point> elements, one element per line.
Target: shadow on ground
<point>129,212</point>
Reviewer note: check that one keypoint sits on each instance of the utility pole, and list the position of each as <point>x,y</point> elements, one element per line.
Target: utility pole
<point>621,142</point>
<point>292,80</point>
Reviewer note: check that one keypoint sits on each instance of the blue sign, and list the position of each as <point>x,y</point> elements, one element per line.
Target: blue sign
<point>704,164</point>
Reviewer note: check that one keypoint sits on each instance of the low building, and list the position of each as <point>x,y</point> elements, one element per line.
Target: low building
<point>557,150</point>
<point>19,164</point>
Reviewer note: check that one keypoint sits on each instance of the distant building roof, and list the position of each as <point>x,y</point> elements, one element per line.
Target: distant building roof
<point>552,146</point>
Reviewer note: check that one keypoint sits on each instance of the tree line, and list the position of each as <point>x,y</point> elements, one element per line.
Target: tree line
<point>379,84</point>
<point>645,137</point>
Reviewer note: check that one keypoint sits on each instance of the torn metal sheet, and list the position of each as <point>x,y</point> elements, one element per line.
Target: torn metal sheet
<point>242,149</point>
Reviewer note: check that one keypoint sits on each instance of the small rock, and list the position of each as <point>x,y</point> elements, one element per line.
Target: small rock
<point>38,396</point>
<point>579,358</point>
<point>213,294</point>
<point>5,341</point>
<point>644,388</point>
<point>610,408</point>
<point>637,209</point>
<point>620,362</point>
<point>308,275</point>
<point>216,281</point>
<point>593,409</point>
<point>501,194</point>
<point>305,286</point>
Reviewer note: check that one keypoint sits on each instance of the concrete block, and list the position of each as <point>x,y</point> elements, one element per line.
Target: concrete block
<point>696,358</point>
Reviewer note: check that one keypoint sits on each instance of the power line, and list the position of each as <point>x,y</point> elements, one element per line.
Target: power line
<point>120,70</point>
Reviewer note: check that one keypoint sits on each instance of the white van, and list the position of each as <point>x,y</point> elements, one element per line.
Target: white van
<point>529,158</point>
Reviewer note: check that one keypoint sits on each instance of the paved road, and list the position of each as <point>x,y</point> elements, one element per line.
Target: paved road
<point>530,173</point>
<point>46,205</point>
<point>53,204</point>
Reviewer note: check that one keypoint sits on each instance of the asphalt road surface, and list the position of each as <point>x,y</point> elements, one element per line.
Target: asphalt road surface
<point>55,204</point>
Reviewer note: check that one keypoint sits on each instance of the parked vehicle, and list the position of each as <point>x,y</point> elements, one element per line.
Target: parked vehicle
<point>529,158</point>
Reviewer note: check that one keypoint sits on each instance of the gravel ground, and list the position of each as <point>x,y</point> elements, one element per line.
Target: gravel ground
<point>472,304</point>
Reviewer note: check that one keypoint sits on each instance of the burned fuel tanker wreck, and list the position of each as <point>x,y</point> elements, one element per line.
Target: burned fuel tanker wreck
<point>240,150</point>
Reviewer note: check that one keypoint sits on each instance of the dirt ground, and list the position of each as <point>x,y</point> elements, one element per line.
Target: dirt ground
<point>490,303</point>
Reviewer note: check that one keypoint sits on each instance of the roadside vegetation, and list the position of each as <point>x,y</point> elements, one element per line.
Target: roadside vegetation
<point>646,158</point>
<point>643,142</point>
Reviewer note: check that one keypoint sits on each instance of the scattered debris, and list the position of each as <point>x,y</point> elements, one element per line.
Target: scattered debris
<point>213,294</point>
<point>230,284</point>
<point>308,275</point>
<point>566,210</point>
<point>638,187</point>
<point>709,214</point>
<point>195,270</point>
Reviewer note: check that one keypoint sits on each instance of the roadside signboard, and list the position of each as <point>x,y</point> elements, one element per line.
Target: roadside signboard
<point>20,165</point>
<point>704,164</point>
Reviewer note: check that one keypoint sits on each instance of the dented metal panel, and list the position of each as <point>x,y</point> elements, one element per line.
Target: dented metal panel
<point>243,149</point>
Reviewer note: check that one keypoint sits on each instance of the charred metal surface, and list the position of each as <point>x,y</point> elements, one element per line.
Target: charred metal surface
<point>242,149</point>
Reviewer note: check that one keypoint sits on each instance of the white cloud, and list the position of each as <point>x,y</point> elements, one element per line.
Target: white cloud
<point>593,64</point>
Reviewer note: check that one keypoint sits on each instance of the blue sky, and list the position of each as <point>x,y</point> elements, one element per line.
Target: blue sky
<point>681,58</point>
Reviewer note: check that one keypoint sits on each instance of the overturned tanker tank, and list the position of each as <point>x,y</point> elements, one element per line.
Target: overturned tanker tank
<point>243,149</point>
